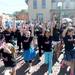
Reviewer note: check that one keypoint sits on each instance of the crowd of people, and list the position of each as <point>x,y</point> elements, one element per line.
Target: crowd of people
<point>51,39</point>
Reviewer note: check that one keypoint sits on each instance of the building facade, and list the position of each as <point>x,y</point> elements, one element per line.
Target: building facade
<point>67,9</point>
<point>46,9</point>
<point>39,9</point>
<point>22,16</point>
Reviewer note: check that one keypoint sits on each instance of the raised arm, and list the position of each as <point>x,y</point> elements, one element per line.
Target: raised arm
<point>51,28</point>
<point>64,32</point>
<point>6,49</point>
<point>14,25</point>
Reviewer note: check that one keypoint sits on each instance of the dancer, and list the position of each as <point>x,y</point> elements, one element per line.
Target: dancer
<point>47,47</point>
<point>29,53</point>
<point>8,56</point>
<point>69,55</point>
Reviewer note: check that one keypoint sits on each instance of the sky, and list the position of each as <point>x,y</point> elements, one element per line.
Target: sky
<point>10,6</point>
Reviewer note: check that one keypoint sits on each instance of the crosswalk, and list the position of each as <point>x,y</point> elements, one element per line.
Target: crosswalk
<point>37,69</point>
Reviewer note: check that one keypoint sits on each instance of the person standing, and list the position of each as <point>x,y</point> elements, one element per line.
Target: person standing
<point>29,52</point>
<point>56,41</point>
<point>39,40</point>
<point>69,56</point>
<point>7,35</point>
<point>47,47</point>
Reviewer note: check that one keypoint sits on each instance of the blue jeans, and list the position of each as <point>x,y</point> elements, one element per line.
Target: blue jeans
<point>29,54</point>
<point>48,60</point>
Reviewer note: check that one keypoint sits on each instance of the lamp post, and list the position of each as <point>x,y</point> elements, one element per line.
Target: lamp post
<point>60,12</point>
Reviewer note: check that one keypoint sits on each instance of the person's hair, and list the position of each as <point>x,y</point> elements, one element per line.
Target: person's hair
<point>69,30</point>
<point>11,48</point>
<point>47,30</point>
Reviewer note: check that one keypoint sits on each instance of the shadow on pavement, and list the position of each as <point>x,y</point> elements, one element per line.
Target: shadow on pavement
<point>1,69</point>
<point>41,71</point>
<point>21,71</point>
<point>36,60</point>
<point>63,71</point>
<point>54,59</point>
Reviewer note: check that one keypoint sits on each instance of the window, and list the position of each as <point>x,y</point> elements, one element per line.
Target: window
<point>53,0</point>
<point>56,0</point>
<point>40,17</point>
<point>35,4</point>
<point>72,0</point>
<point>43,3</point>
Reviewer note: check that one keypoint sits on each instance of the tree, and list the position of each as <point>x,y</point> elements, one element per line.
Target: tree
<point>21,14</point>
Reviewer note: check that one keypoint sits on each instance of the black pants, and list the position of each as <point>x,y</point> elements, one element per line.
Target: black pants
<point>40,49</point>
<point>1,50</point>
<point>40,43</point>
<point>19,45</point>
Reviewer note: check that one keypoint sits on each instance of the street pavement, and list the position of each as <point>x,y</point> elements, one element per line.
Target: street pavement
<point>39,68</point>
